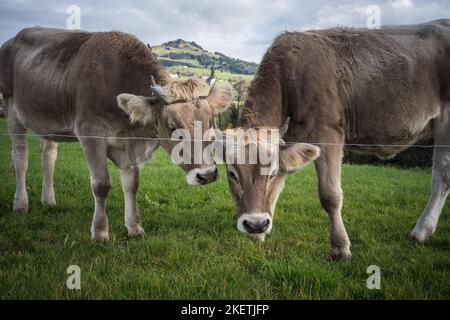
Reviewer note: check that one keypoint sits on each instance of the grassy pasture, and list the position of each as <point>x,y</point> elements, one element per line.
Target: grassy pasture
<point>202,72</point>
<point>193,250</point>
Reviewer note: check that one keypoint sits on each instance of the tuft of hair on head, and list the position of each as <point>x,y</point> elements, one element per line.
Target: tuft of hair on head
<point>186,89</point>
<point>220,97</point>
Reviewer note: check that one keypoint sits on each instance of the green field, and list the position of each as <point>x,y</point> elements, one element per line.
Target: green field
<point>188,57</point>
<point>192,248</point>
<point>202,72</point>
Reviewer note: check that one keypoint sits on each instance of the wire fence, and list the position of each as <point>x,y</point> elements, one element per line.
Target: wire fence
<point>360,145</point>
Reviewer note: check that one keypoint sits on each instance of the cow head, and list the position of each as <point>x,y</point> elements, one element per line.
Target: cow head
<point>179,107</point>
<point>255,187</point>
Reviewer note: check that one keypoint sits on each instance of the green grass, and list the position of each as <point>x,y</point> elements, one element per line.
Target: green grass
<point>193,250</point>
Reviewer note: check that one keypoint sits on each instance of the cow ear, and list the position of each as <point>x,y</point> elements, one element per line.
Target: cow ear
<point>293,157</point>
<point>220,97</point>
<point>140,109</point>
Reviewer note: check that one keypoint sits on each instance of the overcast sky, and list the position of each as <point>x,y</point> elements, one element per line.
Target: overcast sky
<point>239,28</point>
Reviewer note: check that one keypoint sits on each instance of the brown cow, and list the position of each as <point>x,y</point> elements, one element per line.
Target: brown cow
<point>63,85</point>
<point>380,90</point>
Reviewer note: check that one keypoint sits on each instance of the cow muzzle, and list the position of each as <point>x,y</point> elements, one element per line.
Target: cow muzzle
<point>256,225</point>
<point>200,176</point>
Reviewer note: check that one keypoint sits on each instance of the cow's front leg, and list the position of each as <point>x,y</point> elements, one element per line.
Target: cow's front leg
<point>49,152</point>
<point>130,184</point>
<point>328,168</point>
<point>96,156</point>
<point>19,157</point>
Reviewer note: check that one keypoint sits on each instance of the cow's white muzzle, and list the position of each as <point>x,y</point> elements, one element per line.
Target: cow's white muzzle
<point>256,225</point>
<point>199,176</point>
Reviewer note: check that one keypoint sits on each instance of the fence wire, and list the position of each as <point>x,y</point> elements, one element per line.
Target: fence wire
<point>361,145</point>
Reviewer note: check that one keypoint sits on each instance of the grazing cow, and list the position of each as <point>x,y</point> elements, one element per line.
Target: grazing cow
<point>62,85</point>
<point>379,90</point>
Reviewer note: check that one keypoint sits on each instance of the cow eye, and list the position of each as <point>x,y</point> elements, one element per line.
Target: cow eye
<point>232,176</point>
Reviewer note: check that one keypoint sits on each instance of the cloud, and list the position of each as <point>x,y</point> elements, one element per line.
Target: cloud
<point>239,28</point>
<point>402,3</point>
<point>393,12</point>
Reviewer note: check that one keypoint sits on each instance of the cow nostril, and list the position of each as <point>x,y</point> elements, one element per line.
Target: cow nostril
<point>200,178</point>
<point>259,227</point>
<point>248,226</point>
<point>207,177</point>
<point>265,225</point>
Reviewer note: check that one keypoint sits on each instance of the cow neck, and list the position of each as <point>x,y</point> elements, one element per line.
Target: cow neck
<point>263,106</point>
<point>264,103</point>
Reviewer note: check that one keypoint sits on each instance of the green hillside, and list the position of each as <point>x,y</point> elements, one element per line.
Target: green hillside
<point>189,58</point>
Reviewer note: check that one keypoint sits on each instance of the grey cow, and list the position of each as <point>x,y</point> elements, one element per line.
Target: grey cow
<point>69,85</point>
<point>378,90</point>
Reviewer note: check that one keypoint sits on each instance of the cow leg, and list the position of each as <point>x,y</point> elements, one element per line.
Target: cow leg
<point>440,181</point>
<point>328,168</point>
<point>49,152</point>
<point>130,184</point>
<point>96,156</point>
<point>19,157</point>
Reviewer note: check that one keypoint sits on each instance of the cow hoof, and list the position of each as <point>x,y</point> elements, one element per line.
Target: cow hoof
<point>48,202</point>
<point>419,236</point>
<point>48,199</point>
<point>340,254</point>
<point>100,236</point>
<point>135,231</point>
<point>20,207</point>
<point>421,232</point>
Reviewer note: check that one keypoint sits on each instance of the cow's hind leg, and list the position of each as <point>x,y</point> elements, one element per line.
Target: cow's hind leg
<point>96,156</point>
<point>440,180</point>
<point>49,152</point>
<point>130,184</point>
<point>328,168</point>
<point>19,158</point>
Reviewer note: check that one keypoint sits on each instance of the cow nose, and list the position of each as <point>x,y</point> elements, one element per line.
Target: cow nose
<point>259,226</point>
<point>207,177</point>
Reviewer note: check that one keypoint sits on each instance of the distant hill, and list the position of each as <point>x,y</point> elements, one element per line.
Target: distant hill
<point>181,44</point>
<point>183,54</point>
